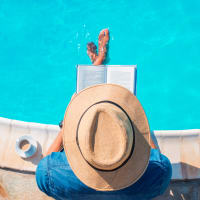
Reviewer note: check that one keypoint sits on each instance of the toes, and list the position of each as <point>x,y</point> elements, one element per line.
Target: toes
<point>103,33</point>
<point>106,31</point>
<point>91,51</point>
<point>91,47</point>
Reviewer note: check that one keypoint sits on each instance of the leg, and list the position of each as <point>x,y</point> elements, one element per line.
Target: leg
<point>91,48</point>
<point>92,51</point>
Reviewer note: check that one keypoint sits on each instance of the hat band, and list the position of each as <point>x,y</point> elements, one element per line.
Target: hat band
<point>132,147</point>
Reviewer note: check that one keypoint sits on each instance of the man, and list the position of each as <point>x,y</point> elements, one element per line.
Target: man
<point>106,137</point>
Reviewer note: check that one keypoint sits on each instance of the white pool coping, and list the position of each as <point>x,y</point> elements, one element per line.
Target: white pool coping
<point>182,147</point>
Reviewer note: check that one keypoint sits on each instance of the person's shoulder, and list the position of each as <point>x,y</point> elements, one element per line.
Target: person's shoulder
<point>156,157</point>
<point>161,169</point>
<point>161,164</point>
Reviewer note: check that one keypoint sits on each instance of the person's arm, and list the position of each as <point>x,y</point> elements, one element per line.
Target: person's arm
<point>153,146</point>
<point>57,144</point>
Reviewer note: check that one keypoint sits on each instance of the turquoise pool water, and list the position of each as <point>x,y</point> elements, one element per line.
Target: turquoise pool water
<point>42,41</point>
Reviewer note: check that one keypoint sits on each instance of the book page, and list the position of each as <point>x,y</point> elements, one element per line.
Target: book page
<point>90,75</point>
<point>124,76</point>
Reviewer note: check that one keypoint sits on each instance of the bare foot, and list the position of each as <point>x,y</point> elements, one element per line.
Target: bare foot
<point>103,48</point>
<point>103,41</point>
<point>92,51</point>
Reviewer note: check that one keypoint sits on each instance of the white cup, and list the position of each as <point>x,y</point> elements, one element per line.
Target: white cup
<point>26,146</point>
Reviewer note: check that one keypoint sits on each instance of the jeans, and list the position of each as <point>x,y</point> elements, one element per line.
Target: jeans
<point>55,178</point>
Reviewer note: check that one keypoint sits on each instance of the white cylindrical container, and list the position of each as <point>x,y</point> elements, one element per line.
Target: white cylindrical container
<point>26,146</point>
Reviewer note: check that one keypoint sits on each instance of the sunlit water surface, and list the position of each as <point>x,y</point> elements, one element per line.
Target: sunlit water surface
<point>42,41</point>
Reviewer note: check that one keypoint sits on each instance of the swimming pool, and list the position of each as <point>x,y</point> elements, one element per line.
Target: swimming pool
<point>42,41</point>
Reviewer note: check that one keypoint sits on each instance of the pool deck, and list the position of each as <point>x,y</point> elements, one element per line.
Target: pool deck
<point>21,186</point>
<point>17,180</point>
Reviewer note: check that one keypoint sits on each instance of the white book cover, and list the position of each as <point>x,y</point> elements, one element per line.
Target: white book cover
<point>124,75</point>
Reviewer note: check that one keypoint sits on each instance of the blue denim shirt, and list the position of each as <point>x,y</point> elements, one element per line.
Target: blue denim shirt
<point>55,177</point>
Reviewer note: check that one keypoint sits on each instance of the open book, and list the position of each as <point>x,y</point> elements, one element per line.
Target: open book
<point>124,75</point>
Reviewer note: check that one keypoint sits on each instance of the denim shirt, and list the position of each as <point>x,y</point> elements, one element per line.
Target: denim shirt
<point>55,178</point>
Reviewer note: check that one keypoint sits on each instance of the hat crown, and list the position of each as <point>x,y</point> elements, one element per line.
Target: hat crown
<point>105,136</point>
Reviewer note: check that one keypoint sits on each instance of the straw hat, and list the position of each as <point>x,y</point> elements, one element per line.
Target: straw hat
<point>106,137</point>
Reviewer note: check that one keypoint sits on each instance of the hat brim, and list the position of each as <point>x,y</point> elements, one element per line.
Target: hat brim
<point>137,163</point>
